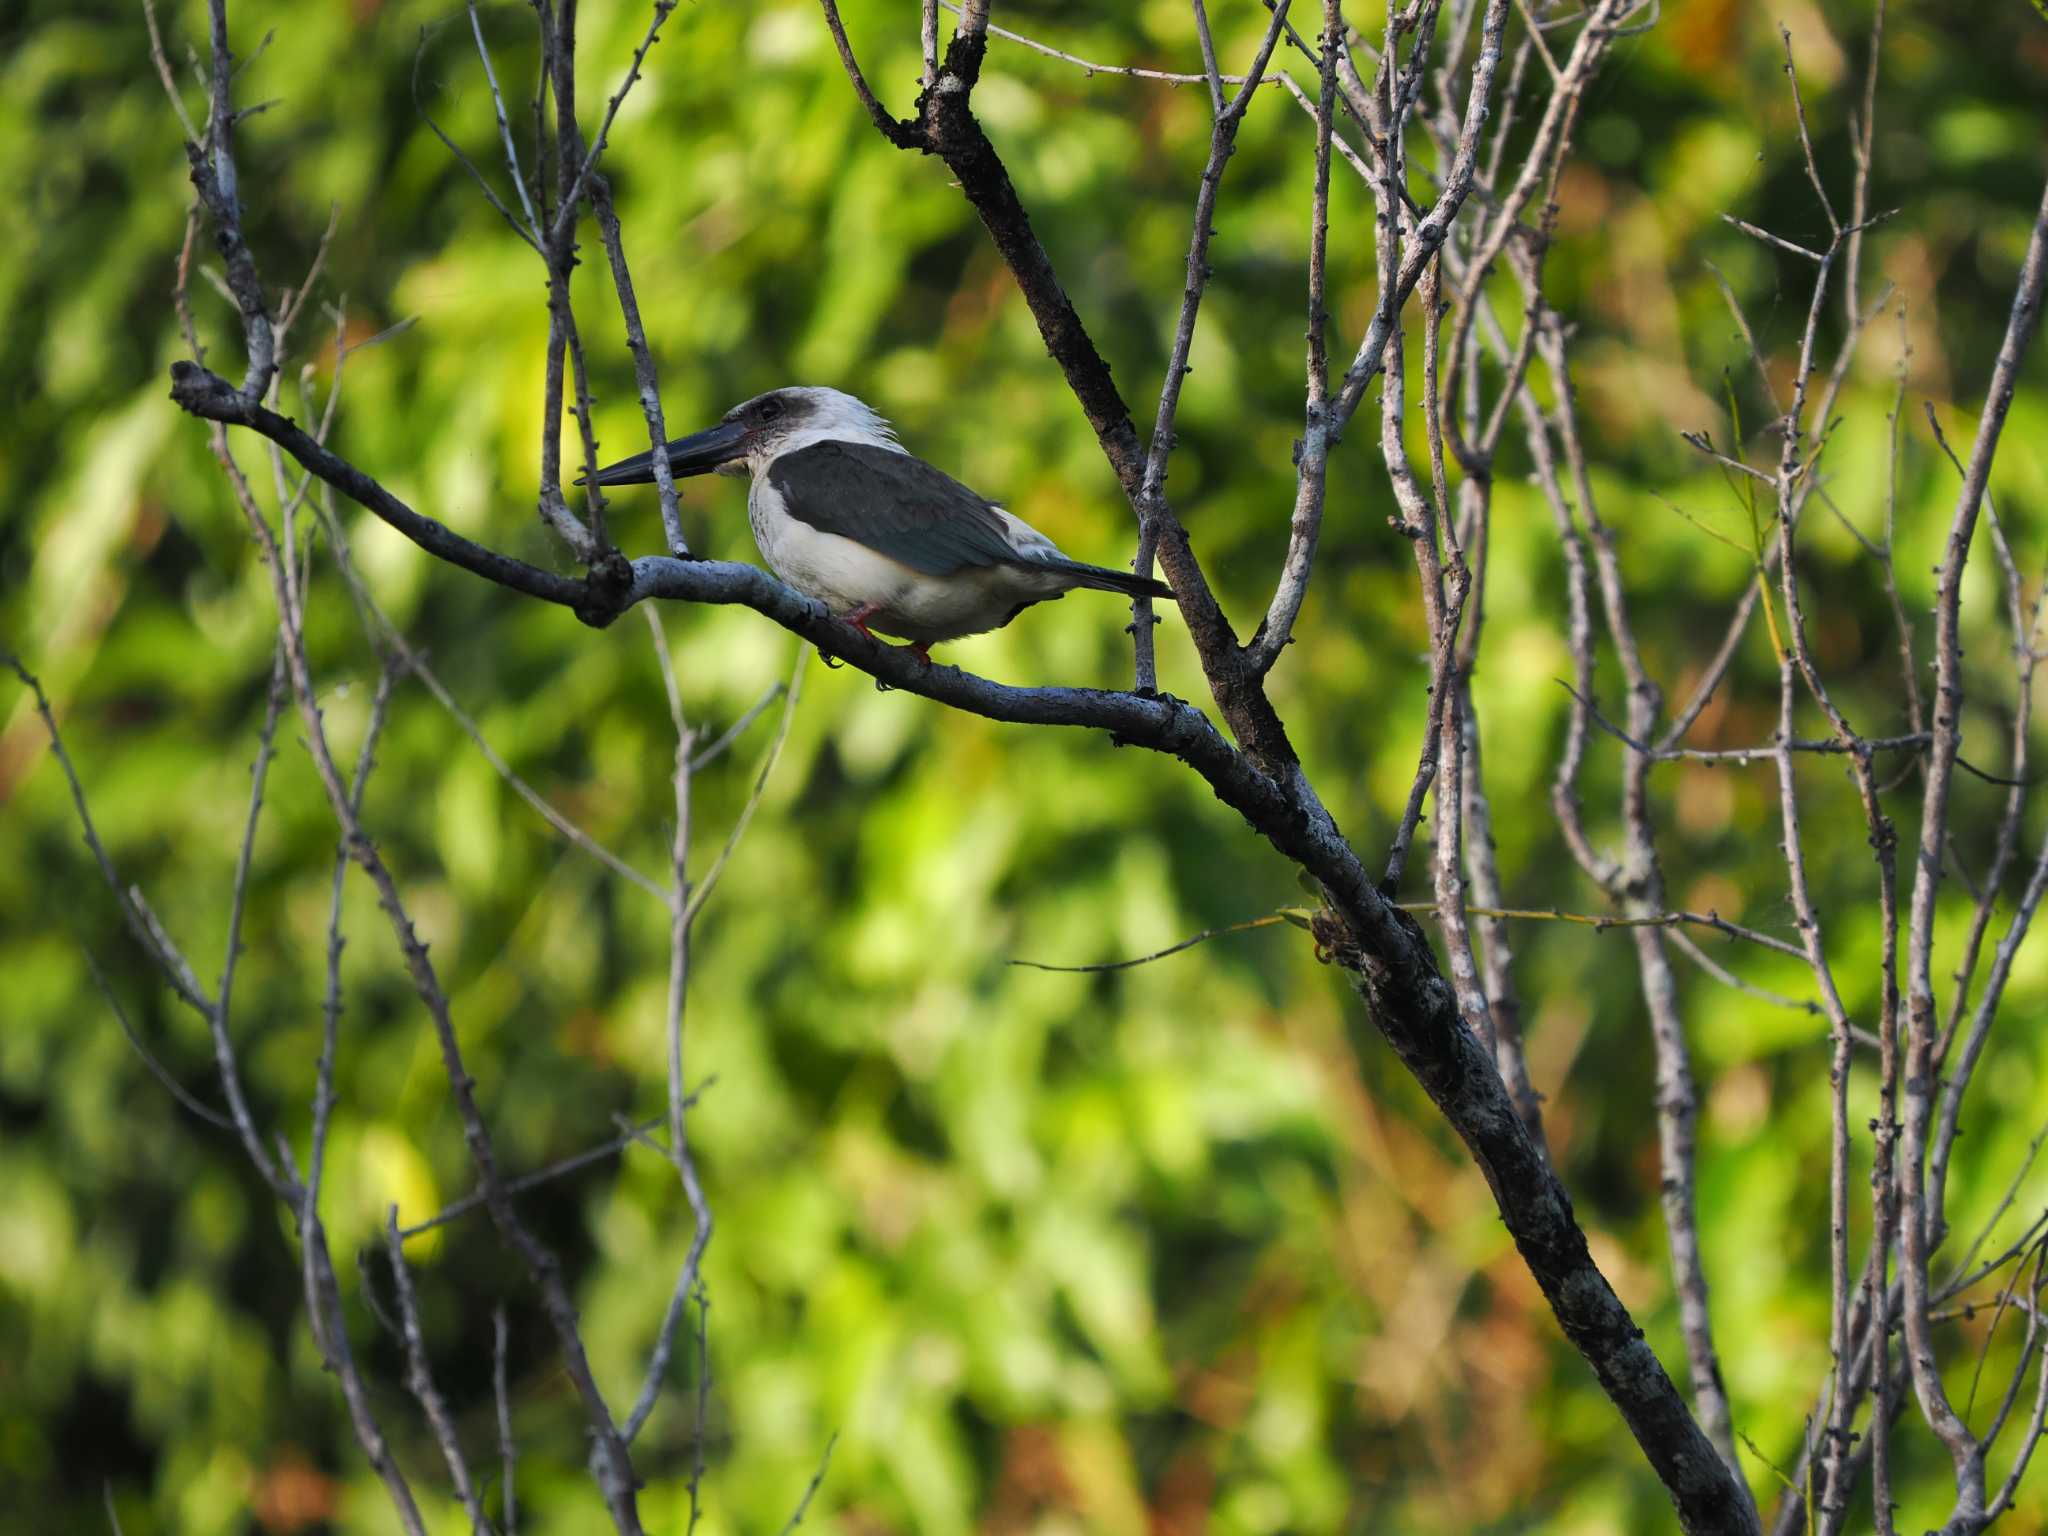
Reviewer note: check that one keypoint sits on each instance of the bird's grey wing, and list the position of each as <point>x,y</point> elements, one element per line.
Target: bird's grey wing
<point>895,504</point>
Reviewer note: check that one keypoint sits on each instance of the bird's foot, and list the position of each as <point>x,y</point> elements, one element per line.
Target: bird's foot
<point>860,616</point>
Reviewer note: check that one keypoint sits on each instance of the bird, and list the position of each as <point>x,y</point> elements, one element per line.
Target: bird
<point>846,515</point>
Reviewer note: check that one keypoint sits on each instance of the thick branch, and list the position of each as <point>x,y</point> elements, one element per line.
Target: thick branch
<point>1388,953</point>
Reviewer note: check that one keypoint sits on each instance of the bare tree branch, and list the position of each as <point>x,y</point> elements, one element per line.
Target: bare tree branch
<point>1917,1238</point>
<point>419,1377</point>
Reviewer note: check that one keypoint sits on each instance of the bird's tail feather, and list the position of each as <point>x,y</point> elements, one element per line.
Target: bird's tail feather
<point>1105,580</point>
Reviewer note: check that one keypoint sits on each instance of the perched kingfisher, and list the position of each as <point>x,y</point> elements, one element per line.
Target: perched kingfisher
<point>845,515</point>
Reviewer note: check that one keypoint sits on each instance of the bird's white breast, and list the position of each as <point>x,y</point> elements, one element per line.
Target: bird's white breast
<point>847,575</point>
<point>838,571</point>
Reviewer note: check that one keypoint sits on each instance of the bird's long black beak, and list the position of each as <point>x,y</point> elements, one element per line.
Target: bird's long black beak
<point>697,454</point>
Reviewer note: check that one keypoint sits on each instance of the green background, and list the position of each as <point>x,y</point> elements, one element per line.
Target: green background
<point>1152,1251</point>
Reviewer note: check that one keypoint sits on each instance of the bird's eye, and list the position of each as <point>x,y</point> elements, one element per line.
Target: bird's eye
<point>770,409</point>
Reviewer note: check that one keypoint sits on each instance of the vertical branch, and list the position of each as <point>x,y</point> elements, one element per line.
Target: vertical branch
<point>587,180</point>
<point>483,52</point>
<point>584,158</point>
<point>323,1301</point>
<point>1916,1234</point>
<point>1152,509</point>
<point>1449,864</point>
<point>1398,281</point>
<point>226,1060</point>
<point>1855,1311</point>
<point>1860,140</point>
<point>1565,800</point>
<point>1834,1498</point>
<point>1962,1069</point>
<point>558,251</point>
<point>679,888</point>
<point>2038,1420</point>
<point>1419,525</point>
<point>1884,1136</point>
<point>1637,882</point>
<point>697,1430</point>
<point>1497,953</point>
<point>215,183</point>
<point>1417,519</point>
<point>1450,574</point>
<point>324,1307</point>
<point>1794,473</point>
<point>1475,495</point>
<point>1312,453</point>
<point>685,902</point>
<point>1884,1187</point>
<point>508,1449</point>
<point>681,914</point>
<point>419,1379</point>
<point>2005,847</point>
<point>331,1337</point>
<point>1208,47</point>
<point>1981,1019</point>
<point>1877,1281</point>
<point>215,175</point>
<point>643,364</point>
<point>1431,230</point>
<point>611,1464</point>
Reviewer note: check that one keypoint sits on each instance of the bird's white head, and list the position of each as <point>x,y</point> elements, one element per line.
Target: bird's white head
<point>812,413</point>
<point>755,433</point>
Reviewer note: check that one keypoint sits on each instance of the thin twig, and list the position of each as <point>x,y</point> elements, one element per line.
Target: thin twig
<point>681,913</point>
<point>473,1201</point>
<point>1919,1087</point>
<point>1770,239</point>
<point>738,728</point>
<point>1728,978</point>
<point>1820,192</point>
<point>1153,513</point>
<point>565,210</point>
<point>817,1479</point>
<point>165,74</point>
<point>1089,66</point>
<point>392,638</point>
<point>1296,916</point>
<point>419,1378</point>
<point>157,1069</point>
<point>611,1462</point>
<point>698,1430</point>
<point>701,893</point>
<point>483,53</point>
<point>508,1447</point>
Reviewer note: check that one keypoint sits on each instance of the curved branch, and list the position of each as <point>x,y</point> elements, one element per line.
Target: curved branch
<point>1383,948</point>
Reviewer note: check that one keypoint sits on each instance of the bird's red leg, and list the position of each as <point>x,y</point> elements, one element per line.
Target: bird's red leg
<point>860,616</point>
<point>859,620</point>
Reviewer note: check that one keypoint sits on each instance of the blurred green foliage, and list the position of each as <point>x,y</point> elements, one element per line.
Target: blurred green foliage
<point>1148,1251</point>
